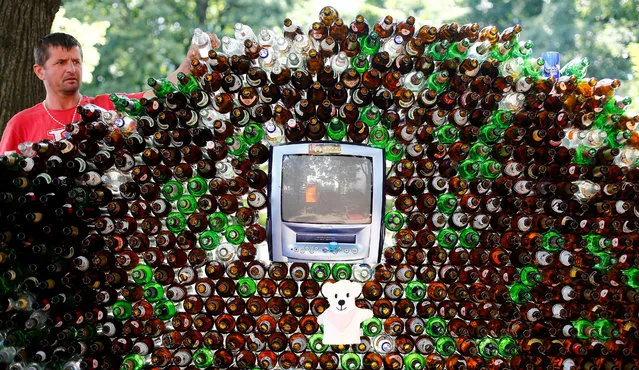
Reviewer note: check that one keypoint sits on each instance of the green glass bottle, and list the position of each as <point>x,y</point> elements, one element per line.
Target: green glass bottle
<point>372,327</point>
<point>350,361</point>
<point>502,118</point>
<point>253,133</point>
<point>132,362</point>
<point>632,276</point>
<point>606,261</point>
<point>164,309</point>
<point>490,169</point>
<point>142,274</point>
<point>439,50</point>
<point>336,129</point>
<point>479,151</point>
<point>79,196</point>
<point>122,310</point>
<point>187,83</point>
<point>584,155</point>
<point>445,346</point>
<point>604,329</point>
<point>394,220</point>
<point>584,328</point>
<point>209,240</point>
<point>522,50</point>
<point>468,169</point>
<point>436,327</point>
<point>246,287</point>
<point>153,292</point>
<point>161,86</point>
<point>378,137</point>
<point>447,203</point>
<point>129,105</point>
<point>552,241</point>
<point>438,81</point>
<point>236,145</point>
<point>370,44</point>
<point>316,344</point>
<point>520,293</point>
<point>218,221</point>
<point>458,49</point>
<point>370,115</point>
<point>501,51</point>
<point>490,134</point>
<point>394,151</point>
<point>596,243</point>
<point>415,291</point>
<point>447,134</point>
<point>577,67</point>
<point>415,361</point>
<point>487,347</point>
<point>320,271</point>
<point>533,68</point>
<point>341,271</point>
<point>172,190</point>
<point>530,276</point>
<point>187,204</point>
<point>235,234</point>
<point>196,186</point>
<point>203,357</point>
<point>616,107</point>
<point>175,222</point>
<point>617,139</point>
<point>447,238</point>
<point>507,347</point>
<point>360,63</point>
<point>469,238</point>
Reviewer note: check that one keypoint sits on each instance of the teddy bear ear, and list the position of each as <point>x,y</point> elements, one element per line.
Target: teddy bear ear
<point>355,288</point>
<point>327,289</point>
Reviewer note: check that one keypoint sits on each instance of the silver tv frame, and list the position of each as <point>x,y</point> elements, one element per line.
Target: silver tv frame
<point>326,242</point>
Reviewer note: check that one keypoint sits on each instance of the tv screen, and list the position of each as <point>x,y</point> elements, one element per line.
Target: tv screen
<point>327,189</point>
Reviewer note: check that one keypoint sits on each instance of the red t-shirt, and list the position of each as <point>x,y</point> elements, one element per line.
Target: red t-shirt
<point>34,124</point>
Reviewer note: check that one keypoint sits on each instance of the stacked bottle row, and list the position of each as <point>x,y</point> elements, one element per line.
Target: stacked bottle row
<point>511,215</point>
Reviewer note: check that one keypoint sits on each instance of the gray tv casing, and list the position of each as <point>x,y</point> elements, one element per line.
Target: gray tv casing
<point>282,236</point>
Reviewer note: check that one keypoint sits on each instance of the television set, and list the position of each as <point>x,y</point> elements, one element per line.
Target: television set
<point>326,202</point>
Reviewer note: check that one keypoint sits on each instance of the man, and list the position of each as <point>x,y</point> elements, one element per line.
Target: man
<point>58,63</point>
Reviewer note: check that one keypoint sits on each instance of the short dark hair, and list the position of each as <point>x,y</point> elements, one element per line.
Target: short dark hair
<point>41,50</point>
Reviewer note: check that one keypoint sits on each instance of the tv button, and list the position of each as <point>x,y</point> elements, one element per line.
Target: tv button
<point>333,246</point>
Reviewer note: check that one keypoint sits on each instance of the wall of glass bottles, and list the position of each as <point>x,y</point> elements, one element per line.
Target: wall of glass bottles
<point>511,216</point>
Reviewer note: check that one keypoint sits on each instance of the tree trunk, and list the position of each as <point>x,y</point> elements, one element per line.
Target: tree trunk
<point>200,10</point>
<point>22,24</point>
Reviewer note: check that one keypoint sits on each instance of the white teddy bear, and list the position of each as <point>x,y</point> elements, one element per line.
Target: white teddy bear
<point>342,319</point>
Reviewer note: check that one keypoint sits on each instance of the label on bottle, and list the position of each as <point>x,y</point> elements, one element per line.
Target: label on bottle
<point>557,310</point>
<point>556,205</point>
<point>543,258</point>
<point>565,258</point>
<point>522,187</point>
<point>512,169</point>
<point>567,292</point>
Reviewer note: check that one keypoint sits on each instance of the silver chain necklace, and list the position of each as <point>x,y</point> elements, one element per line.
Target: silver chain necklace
<point>44,104</point>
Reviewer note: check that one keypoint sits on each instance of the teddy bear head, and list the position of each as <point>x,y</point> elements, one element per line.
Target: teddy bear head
<point>341,295</point>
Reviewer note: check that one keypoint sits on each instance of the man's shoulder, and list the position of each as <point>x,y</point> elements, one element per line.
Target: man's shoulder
<point>30,113</point>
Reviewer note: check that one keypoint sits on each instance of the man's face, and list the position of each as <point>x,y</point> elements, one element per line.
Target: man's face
<point>62,72</point>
